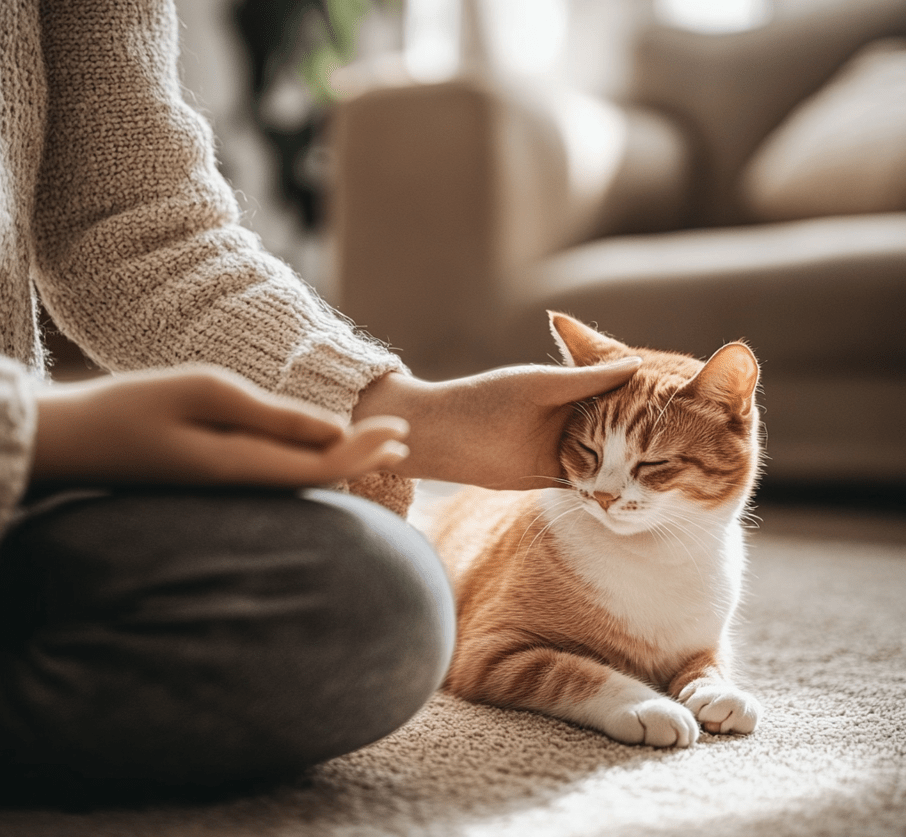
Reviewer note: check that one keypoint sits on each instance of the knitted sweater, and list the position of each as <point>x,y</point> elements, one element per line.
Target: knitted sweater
<point>112,209</point>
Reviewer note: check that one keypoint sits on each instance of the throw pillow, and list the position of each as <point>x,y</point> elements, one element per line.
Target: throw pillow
<point>842,151</point>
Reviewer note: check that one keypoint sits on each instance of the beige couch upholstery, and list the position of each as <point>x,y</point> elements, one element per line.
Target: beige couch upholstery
<point>704,206</point>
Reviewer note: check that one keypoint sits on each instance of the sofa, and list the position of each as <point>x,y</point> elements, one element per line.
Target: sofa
<point>741,185</point>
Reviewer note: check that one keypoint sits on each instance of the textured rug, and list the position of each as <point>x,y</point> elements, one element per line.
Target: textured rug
<point>823,645</point>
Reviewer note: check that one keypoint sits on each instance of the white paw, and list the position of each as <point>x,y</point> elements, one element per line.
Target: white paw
<point>658,722</point>
<point>721,708</point>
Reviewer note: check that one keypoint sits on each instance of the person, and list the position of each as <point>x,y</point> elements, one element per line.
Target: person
<point>205,578</point>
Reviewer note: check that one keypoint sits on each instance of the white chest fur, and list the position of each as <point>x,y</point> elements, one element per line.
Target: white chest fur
<point>674,586</point>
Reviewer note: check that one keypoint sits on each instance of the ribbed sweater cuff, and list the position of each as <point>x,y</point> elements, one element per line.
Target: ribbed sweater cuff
<point>334,365</point>
<point>18,421</point>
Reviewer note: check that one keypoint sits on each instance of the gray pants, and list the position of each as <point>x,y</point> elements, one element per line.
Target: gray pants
<point>183,639</point>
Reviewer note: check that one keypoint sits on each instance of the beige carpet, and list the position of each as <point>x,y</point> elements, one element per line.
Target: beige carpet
<point>825,650</point>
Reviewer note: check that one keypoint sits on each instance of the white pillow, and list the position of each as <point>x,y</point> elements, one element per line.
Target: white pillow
<point>842,151</point>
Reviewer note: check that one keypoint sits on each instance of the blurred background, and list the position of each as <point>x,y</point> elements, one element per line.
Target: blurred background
<point>680,173</point>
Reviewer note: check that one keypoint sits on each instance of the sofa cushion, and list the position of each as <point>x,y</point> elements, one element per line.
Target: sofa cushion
<point>730,91</point>
<point>843,150</point>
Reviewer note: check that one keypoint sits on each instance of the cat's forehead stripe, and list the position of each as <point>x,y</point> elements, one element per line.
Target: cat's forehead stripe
<point>633,415</point>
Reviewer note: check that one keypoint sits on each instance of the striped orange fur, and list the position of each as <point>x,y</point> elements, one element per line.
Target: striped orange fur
<point>607,601</point>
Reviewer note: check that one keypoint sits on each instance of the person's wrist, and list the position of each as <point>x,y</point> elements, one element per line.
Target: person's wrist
<point>54,456</point>
<point>397,394</point>
<point>393,394</point>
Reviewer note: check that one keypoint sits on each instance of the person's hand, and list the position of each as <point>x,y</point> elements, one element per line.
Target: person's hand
<point>200,426</point>
<point>500,429</point>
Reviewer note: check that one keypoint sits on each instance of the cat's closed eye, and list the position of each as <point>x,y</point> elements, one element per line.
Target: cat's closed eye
<point>590,451</point>
<point>655,463</point>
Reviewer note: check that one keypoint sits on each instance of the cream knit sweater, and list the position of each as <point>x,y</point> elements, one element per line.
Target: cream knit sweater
<point>112,209</point>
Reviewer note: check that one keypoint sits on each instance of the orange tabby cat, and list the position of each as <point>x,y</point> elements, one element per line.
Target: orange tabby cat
<point>607,602</point>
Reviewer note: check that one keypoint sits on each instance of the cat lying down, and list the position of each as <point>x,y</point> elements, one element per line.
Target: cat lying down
<point>608,601</point>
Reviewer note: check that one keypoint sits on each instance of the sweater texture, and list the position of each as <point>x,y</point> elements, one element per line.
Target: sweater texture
<point>112,210</point>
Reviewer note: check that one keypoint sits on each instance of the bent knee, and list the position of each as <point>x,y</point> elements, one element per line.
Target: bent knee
<point>279,630</point>
<point>388,637</point>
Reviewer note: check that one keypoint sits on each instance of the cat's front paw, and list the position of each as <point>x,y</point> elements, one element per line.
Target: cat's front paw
<point>721,708</point>
<point>657,722</point>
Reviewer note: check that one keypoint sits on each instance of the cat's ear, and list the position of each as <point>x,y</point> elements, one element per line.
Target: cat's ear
<point>580,344</point>
<point>729,378</point>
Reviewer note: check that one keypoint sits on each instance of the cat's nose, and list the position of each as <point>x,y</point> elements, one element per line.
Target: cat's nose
<point>605,500</point>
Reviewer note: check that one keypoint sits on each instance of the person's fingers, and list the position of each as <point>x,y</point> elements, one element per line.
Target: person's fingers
<point>239,457</point>
<point>384,457</point>
<point>225,402</point>
<point>562,385</point>
<point>392,427</point>
<point>371,439</point>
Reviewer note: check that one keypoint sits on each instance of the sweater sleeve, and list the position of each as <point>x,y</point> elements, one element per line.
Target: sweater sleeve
<point>17,431</point>
<point>141,258</point>
<point>139,253</point>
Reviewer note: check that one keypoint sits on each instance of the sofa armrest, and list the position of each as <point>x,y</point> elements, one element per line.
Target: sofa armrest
<point>442,190</point>
<point>413,220</point>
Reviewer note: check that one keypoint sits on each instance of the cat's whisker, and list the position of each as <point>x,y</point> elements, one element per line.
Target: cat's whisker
<point>667,536</point>
<point>540,516</point>
<point>749,519</point>
<point>680,529</point>
<point>657,421</point>
<point>671,540</point>
<point>567,483</point>
<point>659,532</point>
<point>694,525</point>
<point>567,500</point>
<point>576,520</point>
<point>683,524</point>
<point>547,526</point>
<point>584,409</point>
<point>692,519</point>
<point>679,541</point>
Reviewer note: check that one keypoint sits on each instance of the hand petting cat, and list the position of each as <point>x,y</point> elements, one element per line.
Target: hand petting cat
<point>499,429</point>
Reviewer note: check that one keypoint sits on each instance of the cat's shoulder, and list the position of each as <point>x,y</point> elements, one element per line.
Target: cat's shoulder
<point>479,508</point>
<point>476,521</point>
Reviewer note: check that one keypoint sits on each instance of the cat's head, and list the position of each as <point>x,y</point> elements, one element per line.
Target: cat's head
<point>680,438</point>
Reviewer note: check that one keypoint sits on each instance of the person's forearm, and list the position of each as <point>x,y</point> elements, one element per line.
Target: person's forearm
<point>416,402</point>
<point>141,258</point>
